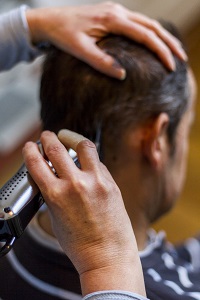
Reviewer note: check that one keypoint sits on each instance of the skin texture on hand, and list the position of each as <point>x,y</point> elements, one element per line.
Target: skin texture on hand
<point>76,30</point>
<point>87,213</point>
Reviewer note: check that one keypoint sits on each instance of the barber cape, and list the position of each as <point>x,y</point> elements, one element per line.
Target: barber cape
<point>171,272</point>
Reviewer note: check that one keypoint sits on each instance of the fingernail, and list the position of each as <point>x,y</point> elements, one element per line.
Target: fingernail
<point>172,65</point>
<point>183,55</point>
<point>121,72</point>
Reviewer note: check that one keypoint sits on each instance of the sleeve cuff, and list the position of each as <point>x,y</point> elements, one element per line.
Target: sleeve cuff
<point>114,295</point>
<point>15,39</point>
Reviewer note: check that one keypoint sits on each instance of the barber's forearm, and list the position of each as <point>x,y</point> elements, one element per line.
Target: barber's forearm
<point>15,44</point>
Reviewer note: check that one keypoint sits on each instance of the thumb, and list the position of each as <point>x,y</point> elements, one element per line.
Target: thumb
<point>70,139</point>
<point>99,60</point>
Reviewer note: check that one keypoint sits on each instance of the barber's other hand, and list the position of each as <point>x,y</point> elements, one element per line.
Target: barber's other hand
<point>87,212</point>
<point>77,29</point>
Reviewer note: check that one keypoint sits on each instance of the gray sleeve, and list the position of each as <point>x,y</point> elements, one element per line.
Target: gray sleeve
<point>114,295</point>
<point>15,45</point>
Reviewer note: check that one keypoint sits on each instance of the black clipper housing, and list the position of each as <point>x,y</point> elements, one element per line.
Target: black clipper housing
<point>20,199</point>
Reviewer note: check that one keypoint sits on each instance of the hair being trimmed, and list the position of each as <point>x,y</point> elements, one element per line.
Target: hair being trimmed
<point>77,97</point>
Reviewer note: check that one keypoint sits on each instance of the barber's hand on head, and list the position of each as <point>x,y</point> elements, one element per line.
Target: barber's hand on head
<point>77,29</point>
<point>87,212</point>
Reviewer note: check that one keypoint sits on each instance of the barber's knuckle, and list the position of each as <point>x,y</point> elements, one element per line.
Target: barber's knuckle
<point>152,35</point>
<point>54,150</point>
<point>104,60</point>
<point>27,145</point>
<point>32,161</point>
<point>85,144</point>
<point>58,195</point>
<point>101,185</point>
<point>147,36</point>
<point>156,25</point>
<point>46,135</point>
<point>112,13</point>
<point>110,17</point>
<point>77,186</point>
<point>54,194</point>
<point>81,186</point>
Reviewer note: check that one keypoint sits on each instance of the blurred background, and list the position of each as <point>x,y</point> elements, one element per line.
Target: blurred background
<point>19,105</point>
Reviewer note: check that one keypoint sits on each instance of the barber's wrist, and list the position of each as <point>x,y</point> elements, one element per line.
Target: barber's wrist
<point>127,277</point>
<point>34,20</point>
<point>112,271</point>
<point>36,27</point>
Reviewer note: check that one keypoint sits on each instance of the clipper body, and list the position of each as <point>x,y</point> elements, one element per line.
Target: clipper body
<point>20,199</point>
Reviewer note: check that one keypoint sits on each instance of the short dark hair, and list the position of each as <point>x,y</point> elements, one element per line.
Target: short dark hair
<point>75,96</point>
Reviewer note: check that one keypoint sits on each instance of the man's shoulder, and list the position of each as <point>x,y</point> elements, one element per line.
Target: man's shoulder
<point>169,272</point>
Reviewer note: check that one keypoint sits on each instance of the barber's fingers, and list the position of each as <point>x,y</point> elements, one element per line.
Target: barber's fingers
<point>153,36</point>
<point>150,39</point>
<point>87,50</point>
<point>86,150</point>
<point>38,167</point>
<point>58,155</point>
<point>145,30</point>
<point>174,43</point>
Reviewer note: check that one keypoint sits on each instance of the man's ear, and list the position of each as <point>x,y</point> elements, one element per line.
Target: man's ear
<point>155,142</point>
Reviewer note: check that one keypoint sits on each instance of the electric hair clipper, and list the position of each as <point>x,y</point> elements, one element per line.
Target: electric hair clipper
<point>20,199</point>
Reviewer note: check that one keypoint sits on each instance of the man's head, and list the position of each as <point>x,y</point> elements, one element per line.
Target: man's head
<point>141,118</point>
